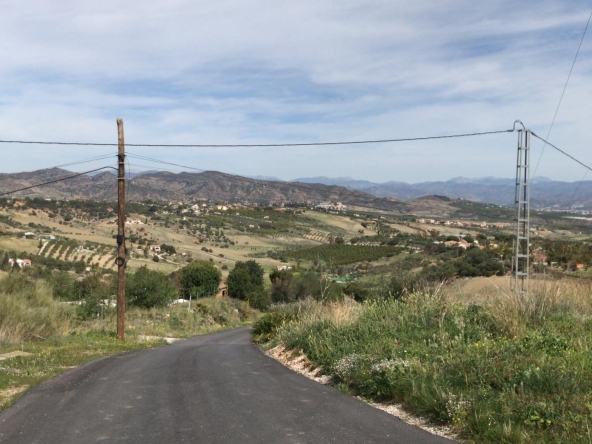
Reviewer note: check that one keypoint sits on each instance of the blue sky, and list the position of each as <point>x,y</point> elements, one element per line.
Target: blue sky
<point>263,71</point>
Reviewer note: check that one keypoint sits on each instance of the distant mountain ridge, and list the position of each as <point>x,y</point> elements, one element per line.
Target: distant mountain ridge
<point>222,187</point>
<point>545,193</point>
<point>210,185</point>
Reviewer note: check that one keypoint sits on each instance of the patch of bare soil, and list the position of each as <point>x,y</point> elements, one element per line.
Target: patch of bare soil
<point>301,364</point>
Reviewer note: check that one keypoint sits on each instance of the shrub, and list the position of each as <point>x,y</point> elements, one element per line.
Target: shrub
<point>147,288</point>
<point>244,279</point>
<point>200,276</point>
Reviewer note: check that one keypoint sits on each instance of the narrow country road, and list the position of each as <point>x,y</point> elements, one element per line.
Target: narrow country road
<point>217,388</point>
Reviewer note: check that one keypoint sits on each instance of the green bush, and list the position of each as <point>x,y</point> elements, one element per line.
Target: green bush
<point>148,288</point>
<point>199,276</point>
<point>267,325</point>
<point>245,279</point>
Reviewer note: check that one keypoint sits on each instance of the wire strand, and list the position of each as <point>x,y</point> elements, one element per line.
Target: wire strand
<point>263,145</point>
<point>56,180</point>
<point>92,159</point>
<point>562,94</point>
<point>150,159</point>
<point>562,152</point>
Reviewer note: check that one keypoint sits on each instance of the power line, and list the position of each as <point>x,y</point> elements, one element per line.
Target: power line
<point>264,145</point>
<point>562,152</point>
<point>153,168</point>
<point>92,159</point>
<point>577,188</point>
<point>150,159</point>
<point>56,180</point>
<point>562,94</point>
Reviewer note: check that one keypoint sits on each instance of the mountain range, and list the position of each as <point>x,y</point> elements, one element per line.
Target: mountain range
<point>544,192</point>
<point>222,187</point>
<point>166,186</point>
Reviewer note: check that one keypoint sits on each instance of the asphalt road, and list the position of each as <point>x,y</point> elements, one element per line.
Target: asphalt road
<point>217,388</point>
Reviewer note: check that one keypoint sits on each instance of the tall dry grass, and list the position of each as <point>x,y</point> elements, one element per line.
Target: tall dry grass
<point>28,311</point>
<point>546,297</point>
<point>337,314</point>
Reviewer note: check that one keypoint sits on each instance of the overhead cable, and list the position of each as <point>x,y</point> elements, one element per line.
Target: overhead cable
<point>150,159</point>
<point>56,180</point>
<point>261,145</point>
<point>562,152</point>
<point>562,94</point>
<point>92,159</point>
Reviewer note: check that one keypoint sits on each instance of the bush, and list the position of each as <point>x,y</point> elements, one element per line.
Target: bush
<point>267,325</point>
<point>200,276</point>
<point>259,299</point>
<point>147,288</point>
<point>358,291</point>
<point>92,291</point>
<point>245,279</point>
<point>282,286</point>
<point>63,285</point>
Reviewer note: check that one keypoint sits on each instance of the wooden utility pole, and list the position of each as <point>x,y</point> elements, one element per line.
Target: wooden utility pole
<point>121,253</point>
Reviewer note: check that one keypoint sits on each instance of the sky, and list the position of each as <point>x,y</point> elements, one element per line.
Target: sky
<point>276,71</point>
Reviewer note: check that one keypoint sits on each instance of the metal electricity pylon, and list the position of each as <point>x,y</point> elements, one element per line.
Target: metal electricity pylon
<point>521,253</point>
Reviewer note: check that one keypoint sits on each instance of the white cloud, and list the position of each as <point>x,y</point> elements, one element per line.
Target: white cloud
<point>276,71</point>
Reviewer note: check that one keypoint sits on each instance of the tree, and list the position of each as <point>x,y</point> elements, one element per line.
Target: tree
<point>282,286</point>
<point>201,276</point>
<point>246,277</point>
<point>148,288</point>
<point>245,282</point>
<point>169,249</point>
<point>92,291</point>
<point>63,285</point>
<point>239,284</point>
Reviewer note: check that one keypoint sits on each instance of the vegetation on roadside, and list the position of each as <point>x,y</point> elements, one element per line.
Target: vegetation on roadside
<point>60,323</point>
<point>510,369</point>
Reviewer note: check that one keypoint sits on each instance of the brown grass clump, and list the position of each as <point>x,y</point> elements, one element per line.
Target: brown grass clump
<point>29,312</point>
<point>545,297</point>
<point>338,314</point>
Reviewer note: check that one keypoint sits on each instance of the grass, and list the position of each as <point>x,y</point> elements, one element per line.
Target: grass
<point>507,370</point>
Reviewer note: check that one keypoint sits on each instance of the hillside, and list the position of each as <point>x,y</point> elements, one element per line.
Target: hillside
<point>398,197</point>
<point>210,185</point>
